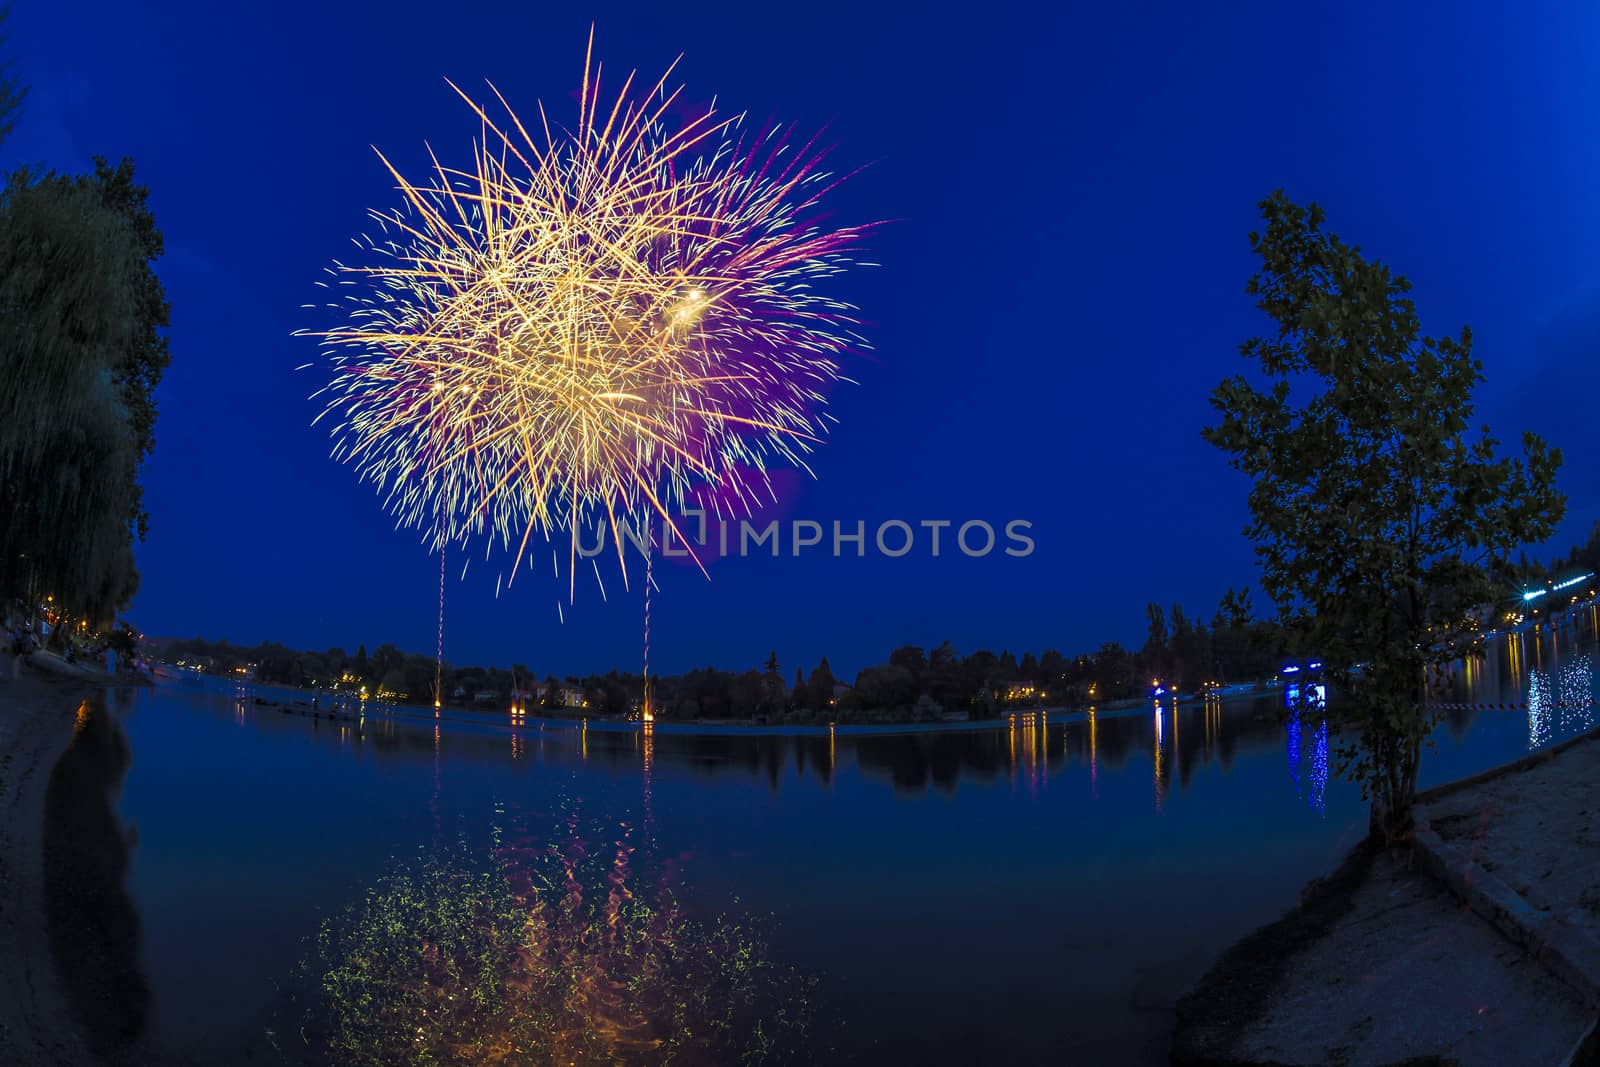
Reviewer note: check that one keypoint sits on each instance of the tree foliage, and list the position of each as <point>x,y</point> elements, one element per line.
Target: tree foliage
<point>68,462</point>
<point>1380,518</point>
<point>12,91</point>
<point>81,352</point>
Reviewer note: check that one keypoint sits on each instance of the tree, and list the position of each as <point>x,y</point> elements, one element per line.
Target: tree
<point>820,685</point>
<point>1154,653</point>
<point>393,683</point>
<point>80,352</point>
<point>12,92</point>
<point>1191,650</point>
<point>799,699</point>
<point>910,659</point>
<point>68,461</point>
<point>1584,557</point>
<point>772,694</point>
<point>942,679</point>
<point>980,674</point>
<point>1112,671</point>
<point>143,355</point>
<point>886,686</point>
<point>1377,515</point>
<point>385,658</point>
<point>1235,608</point>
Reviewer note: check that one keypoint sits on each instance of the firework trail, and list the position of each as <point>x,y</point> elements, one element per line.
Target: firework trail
<point>586,322</point>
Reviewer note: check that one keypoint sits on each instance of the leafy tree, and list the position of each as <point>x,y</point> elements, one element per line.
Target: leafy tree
<point>68,461</point>
<point>910,659</point>
<point>1584,557</point>
<point>1113,668</point>
<point>124,640</point>
<point>1235,608</point>
<point>887,685</point>
<point>385,658</point>
<point>772,692</point>
<point>820,685</point>
<point>1377,514</point>
<point>799,699</point>
<point>980,674</point>
<point>1052,669</point>
<point>12,91</point>
<point>143,356</point>
<point>419,674</point>
<point>393,681</point>
<point>1191,650</point>
<point>942,679</point>
<point>1154,654</point>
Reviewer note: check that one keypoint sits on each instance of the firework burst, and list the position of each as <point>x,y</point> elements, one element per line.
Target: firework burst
<point>588,321</point>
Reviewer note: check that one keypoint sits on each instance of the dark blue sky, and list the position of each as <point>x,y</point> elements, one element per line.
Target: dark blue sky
<point>1073,184</point>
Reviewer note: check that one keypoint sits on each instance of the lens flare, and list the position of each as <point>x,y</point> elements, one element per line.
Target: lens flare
<point>586,322</point>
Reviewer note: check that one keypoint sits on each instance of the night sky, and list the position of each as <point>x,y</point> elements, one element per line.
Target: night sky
<point>1062,285</point>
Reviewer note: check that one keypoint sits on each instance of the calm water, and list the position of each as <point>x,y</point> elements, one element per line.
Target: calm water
<point>1047,886</point>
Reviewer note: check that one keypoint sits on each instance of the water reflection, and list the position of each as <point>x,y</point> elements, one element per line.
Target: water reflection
<point>562,944</point>
<point>860,844</point>
<point>1094,759</point>
<point>1560,700</point>
<point>1028,734</point>
<point>1544,673</point>
<point>1026,751</point>
<point>1306,705</point>
<point>1212,710</point>
<point>1549,675</point>
<point>1155,759</point>
<point>91,922</point>
<point>1539,701</point>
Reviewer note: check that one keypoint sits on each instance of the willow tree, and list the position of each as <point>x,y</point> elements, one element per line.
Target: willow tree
<point>81,352</point>
<point>73,310</point>
<point>12,91</point>
<point>1380,515</point>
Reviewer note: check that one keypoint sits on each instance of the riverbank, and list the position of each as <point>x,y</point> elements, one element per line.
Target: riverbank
<point>344,706</point>
<point>1480,944</point>
<point>37,1025</point>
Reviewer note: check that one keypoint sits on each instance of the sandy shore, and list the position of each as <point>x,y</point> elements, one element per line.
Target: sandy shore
<point>37,713</point>
<point>71,989</point>
<point>1412,957</point>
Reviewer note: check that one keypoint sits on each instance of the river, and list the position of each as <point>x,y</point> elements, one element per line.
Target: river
<point>1036,891</point>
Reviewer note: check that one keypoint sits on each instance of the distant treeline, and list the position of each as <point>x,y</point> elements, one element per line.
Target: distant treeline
<point>1584,558</point>
<point>914,684</point>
